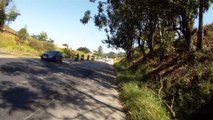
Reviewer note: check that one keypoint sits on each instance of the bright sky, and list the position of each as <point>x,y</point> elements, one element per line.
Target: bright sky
<point>61,20</point>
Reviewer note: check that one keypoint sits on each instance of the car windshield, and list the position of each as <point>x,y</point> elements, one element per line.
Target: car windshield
<point>51,52</point>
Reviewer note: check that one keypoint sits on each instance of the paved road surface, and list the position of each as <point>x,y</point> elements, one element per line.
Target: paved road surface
<point>31,89</point>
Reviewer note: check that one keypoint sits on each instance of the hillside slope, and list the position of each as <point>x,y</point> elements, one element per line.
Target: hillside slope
<point>30,47</point>
<point>182,82</point>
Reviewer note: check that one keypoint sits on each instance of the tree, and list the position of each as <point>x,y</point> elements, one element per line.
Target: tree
<point>2,13</point>
<point>203,6</point>
<point>66,50</point>
<point>43,36</point>
<point>83,49</point>
<point>50,40</point>
<point>5,15</point>
<point>145,23</point>
<point>22,35</point>
<point>86,17</point>
<point>181,16</point>
<point>66,45</point>
<point>12,15</point>
<point>34,36</point>
<point>3,4</point>
<point>100,51</point>
<point>111,54</point>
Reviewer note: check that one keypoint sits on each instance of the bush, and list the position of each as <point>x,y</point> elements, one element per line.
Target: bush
<point>35,44</point>
<point>66,52</point>
<point>48,46</point>
<point>142,103</point>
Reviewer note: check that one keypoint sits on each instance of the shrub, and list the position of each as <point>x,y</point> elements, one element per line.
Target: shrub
<point>35,44</point>
<point>48,46</point>
<point>142,103</point>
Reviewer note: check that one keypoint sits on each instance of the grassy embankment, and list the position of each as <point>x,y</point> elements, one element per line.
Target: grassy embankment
<point>30,47</point>
<point>180,87</point>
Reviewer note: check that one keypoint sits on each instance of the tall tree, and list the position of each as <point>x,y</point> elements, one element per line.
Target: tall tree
<point>3,5</point>
<point>127,22</point>
<point>7,14</point>
<point>22,35</point>
<point>42,36</point>
<point>203,6</point>
<point>83,49</point>
<point>12,15</point>
<point>100,51</point>
<point>66,45</point>
<point>184,13</point>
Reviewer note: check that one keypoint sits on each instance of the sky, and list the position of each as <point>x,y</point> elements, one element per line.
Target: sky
<point>61,20</point>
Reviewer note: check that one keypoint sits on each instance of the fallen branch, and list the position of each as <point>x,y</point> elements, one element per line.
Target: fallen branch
<point>171,107</point>
<point>161,83</point>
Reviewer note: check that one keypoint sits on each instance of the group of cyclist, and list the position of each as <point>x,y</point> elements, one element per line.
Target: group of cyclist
<point>77,57</point>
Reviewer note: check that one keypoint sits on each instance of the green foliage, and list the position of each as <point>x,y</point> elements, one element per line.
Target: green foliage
<point>27,47</point>
<point>35,44</point>
<point>48,46</point>
<point>111,54</point>
<point>84,49</point>
<point>12,14</point>
<point>66,45</point>
<point>100,51</point>
<point>190,99</point>
<point>190,94</point>
<point>142,103</point>
<point>66,53</point>
<point>147,23</point>
<point>125,76</point>
<point>86,17</point>
<point>139,100</point>
<point>2,13</point>
<point>41,45</point>
<point>5,15</point>
<point>42,36</point>
<point>199,70</point>
<point>22,35</point>
<point>210,67</point>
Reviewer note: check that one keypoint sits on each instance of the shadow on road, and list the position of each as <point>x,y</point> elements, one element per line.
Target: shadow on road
<point>40,82</point>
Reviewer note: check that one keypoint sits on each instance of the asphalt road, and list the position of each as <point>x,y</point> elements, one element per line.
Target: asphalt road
<point>31,89</point>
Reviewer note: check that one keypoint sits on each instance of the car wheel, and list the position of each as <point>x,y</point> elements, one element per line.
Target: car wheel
<point>54,59</point>
<point>60,60</point>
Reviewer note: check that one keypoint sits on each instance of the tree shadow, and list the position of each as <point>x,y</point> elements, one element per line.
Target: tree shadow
<point>43,68</point>
<point>15,98</point>
<point>44,86</point>
<point>18,98</point>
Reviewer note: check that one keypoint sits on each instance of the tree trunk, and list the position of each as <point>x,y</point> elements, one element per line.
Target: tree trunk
<point>200,27</point>
<point>161,44</point>
<point>143,51</point>
<point>187,32</point>
<point>151,37</point>
<point>141,45</point>
<point>151,45</point>
<point>188,41</point>
<point>129,55</point>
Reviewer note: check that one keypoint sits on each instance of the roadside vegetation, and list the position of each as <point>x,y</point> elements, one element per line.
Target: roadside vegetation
<point>180,87</point>
<point>19,43</point>
<point>167,72</point>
